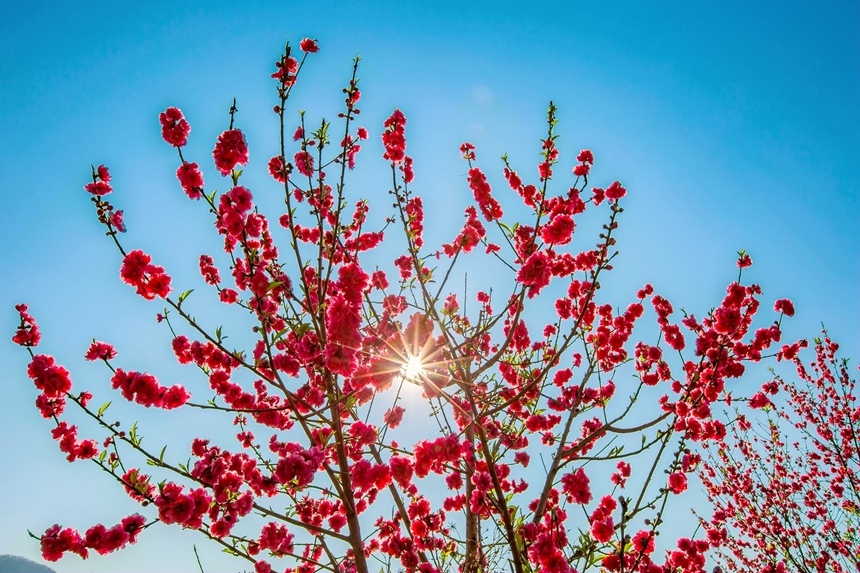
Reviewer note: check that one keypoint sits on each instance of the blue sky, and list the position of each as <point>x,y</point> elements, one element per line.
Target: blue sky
<point>733,125</point>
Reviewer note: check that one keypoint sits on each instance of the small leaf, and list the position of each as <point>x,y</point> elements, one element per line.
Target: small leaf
<point>103,408</point>
<point>184,295</point>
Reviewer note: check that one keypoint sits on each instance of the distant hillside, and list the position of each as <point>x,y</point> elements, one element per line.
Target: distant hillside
<point>15,564</point>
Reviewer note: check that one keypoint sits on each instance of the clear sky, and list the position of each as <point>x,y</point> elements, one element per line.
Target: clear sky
<point>734,125</point>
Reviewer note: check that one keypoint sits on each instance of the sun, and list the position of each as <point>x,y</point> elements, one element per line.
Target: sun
<point>413,369</point>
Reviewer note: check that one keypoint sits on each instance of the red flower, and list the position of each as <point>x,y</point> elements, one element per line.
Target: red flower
<point>535,272</point>
<point>100,351</point>
<point>760,400</point>
<point>209,271</point>
<point>149,280</point>
<point>228,296</point>
<point>98,188</point>
<point>559,230</point>
<point>784,306</point>
<point>28,332</point>
<point>55,542</point>
<point>602,530</point>
<point>585,156</point>
<point>576,486</point>
<point>677,482</point>
<point>117,221</point>
<point>191,179</point>
<point>405,167</point>
<point>619,478</point>
<point>174,127</point>
<point>643,542</point>
<point>103,173</point>
<point>468,151</point>
<point>615,191</point>
<point>309,46</point>
<point>490,208</point>
<point>145,390</point>
<point>393,416</point>
<point>185,510</point>
<point>276,538</point>
<point>277,169</point>
<point>100,185</point>
<point>230,150</point>
<point>394,137</point>
<point>50,378</point>
<point>744,260</point>
<point>304,163</point>
<point>50,407</point>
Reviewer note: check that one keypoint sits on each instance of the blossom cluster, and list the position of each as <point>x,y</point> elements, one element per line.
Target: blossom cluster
<point>781,503</point>
<point>149,280</point>
<point>57,540</point>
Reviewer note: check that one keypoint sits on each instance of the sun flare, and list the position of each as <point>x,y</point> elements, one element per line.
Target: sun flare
<point>413,369</point>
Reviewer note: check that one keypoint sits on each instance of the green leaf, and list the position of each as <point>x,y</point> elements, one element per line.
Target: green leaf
<point>132,435</point>
<point>615,451</point>
<point>103,408</point>
<point>184,295</point>
<point>161,455</point>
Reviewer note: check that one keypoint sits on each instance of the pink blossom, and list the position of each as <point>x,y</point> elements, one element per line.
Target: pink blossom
<point>230,150</point>
<point>174,127</point>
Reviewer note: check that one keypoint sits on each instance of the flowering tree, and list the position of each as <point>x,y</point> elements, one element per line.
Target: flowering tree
<point>559,437</point>
<point>784,505</point>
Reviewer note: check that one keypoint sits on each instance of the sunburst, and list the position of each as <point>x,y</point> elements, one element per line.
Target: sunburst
<point>413,369</point>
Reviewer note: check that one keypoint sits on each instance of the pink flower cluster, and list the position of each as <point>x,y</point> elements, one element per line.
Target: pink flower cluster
<point>75,449</point>
<point>28,332</point>
<point>191,179</point>
<point>586,161</point>
<point>56,541</point>
<point>309,46</point>
<point>145,390</point>
<point>230,150</point>
<point>100,351</point>
<point>470,236</point>
<point>51,378</point>
<point>174,127</point>
<point>234,218</point>
<point>343,319</point>
<point>101,182</point>
<point>394,137</point>
<point>613,193</point>
<point>150,280</point>
<point>490,208</point>
<point>186,510</point>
